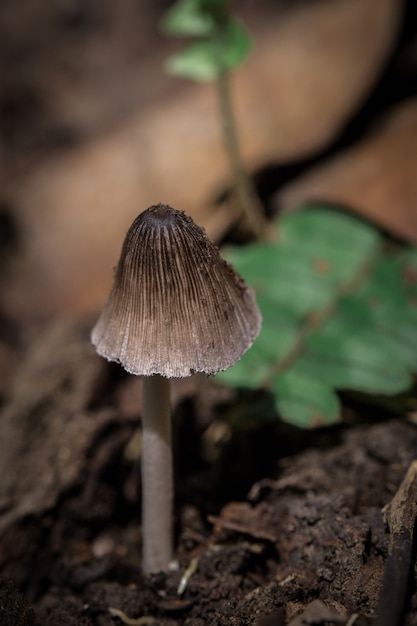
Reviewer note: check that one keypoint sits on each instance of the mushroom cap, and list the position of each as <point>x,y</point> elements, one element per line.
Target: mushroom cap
<point>176,307</point>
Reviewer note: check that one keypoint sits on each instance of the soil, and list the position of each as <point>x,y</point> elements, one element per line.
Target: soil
<point>274,526</point>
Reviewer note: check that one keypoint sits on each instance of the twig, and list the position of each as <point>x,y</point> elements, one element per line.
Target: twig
<point>131,621</point>
<point>401,516</point>
<point>190,571</point>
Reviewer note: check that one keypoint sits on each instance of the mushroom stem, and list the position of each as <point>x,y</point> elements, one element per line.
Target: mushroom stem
<point>157,475</point>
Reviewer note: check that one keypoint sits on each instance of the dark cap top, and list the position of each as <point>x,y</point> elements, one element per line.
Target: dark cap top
<point>176,306</point>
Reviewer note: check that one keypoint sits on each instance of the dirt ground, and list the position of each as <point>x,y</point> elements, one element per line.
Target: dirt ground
<point>270,522</point>
<point>274,526</point>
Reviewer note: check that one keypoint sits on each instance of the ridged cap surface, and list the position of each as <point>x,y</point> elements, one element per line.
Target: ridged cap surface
<point>176,307</point>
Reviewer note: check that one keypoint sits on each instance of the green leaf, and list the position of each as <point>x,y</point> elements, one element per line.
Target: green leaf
<point>304,401</point>
<point>196,62</point>
<point>350,356</point>
<point>252,371</point>
<point>338,313</point>
<point>279,333</point>
<point>187,18</point>
<point>205,59</point>
<point>315,253</point>
<point>235,45</point>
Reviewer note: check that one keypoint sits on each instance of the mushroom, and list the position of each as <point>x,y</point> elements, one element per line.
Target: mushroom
<point>176,307</point>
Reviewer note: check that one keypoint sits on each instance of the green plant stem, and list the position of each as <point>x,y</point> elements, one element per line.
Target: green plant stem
<point>244,188</point>
<point>157,475</point>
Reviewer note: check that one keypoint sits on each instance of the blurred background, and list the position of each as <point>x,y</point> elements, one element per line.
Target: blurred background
<point>93,131</point>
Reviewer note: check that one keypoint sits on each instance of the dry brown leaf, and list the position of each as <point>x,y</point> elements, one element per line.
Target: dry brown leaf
<point>312,64</point>
<point>377,178</point>
<point>242,518</point>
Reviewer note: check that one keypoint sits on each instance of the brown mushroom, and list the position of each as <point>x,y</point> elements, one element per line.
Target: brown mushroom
<point>176,308</point>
